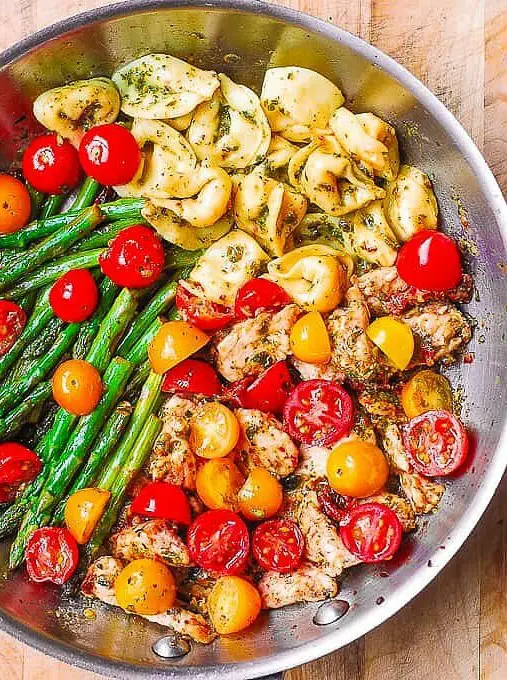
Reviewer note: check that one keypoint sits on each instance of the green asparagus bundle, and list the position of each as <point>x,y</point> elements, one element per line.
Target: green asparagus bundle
<point>15,419</point>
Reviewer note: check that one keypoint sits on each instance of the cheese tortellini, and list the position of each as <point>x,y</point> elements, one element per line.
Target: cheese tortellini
<point>373,238</point>
<point>410,204</point>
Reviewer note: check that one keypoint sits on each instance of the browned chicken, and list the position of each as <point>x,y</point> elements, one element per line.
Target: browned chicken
<point>382,404</point>
<point>152,539</point>
<point>307,584</point>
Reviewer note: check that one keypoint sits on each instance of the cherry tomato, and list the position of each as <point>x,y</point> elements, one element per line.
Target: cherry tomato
<point>270,390</point>
<point>51,165</point>
<point>233,604</point>
<point>259,295</point>
<point>430,261</point>
<point>77,386</point>
<point>145,587</point>
<point>75,296</point>
<point>192,376</point>
<point>15,204</point>
<point>261,495</point>
<point>278,545</point>
<point>206,315</point>
<point>218,541</point>
<point>372,532</point>
<point>18,465</point>
<point>174,342</point>
<point>309,339</point>
<point>426,391</point>
<point>436,442</point>
<point>83,511</point>
<point>318,412</point>
<point>218,483</point>
<point>357,468</point>
<point>234,393</point>
<point>162,500</point>
<point>394,338</point>
<point>332,503</point>
<point>214,430</point>
<point>135,258</point>
<point>51,555</point>
<point>12,322</point>
<point>110,154</point>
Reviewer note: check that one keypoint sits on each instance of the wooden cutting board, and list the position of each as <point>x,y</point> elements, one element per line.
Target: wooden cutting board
<point>457,628</point>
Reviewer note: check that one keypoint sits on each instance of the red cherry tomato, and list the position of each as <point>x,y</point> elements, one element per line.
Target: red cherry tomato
<point>75,296</point>
<point>430,261</point>
<point>164,501</point>
<point>436,442</point>
<point>12,322</point>
<point>51,555</point>
<point>218,541</point>
<point>18,465</point>
<point>331,502</point>
<point>278,545</point>
<point>270,390</point>
<point>51,165</point>
<point>135,258</point>
<point>206,315</point>
<point>110,154</point>
<point>234,393</point>
<point>259,294</point>
<point>318,412</point>
<point>372,532</point>
<point>194,376</point>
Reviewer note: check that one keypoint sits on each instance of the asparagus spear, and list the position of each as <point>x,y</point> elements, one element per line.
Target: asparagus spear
<point>51,206</point>
<point>138,353</point>
<point>14,420</point>
<point>88,331</point>
<point>101,236</point>
<point>36,200</point>
<point>138,380</point>
<point>86,194</point>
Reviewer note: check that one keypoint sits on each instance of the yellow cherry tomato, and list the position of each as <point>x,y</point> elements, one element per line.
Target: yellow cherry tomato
<point>260,496</point>
<point>233,604</point>
<point>309,339</point>
<point>426,391</point>
<point>218,482</point>
<point>15,204</point>
<point>357,468</point>
<point>77,386</point>
<point>175,341</point>
<point>145,587</point>
<point>394,338</point>
<point>83,511</point>
<point>214,431</point>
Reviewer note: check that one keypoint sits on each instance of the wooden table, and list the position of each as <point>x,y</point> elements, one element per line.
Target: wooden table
<point>456,629</point>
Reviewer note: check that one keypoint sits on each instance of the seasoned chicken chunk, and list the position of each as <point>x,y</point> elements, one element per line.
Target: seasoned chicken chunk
<point>400,506</point>
<point>307,584</point>
<point>382,405</point>
<point>100,578</point>
<point>152,539</point>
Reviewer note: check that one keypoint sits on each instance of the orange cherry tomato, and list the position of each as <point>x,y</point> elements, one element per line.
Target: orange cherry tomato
<point>175,341</point>
<point>357,468</point>
<point>233,604</point>
<point>145,587</point>
<point>77,386</point>
<point>260,496</point>
<point>83,511</point>
<point>218,482</point>
<point>426,391</point>
<point>214,431</point>
<point>309,339</point>
<point>15,204</point>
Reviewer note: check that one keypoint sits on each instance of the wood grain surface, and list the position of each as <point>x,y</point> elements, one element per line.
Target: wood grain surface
<point>457,628</point>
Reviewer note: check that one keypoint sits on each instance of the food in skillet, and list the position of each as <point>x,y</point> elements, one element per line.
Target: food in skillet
<point>222,322</point>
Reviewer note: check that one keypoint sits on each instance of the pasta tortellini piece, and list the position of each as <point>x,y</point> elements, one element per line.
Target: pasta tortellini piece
<point>227,264</point>
<point>336,232</point>
<point>230,130</point>
<point>410,204</point>
<point>324,173</point>
<point>181,123</point>
<point>373,238</point>
<point>298,101</point>
<point>72,109</point>
<point>368,139</point>
<point>313,276</point>
<point>158,86</point>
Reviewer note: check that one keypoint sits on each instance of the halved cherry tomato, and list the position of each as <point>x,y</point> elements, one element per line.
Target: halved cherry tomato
<point>135,258</point>
<point>174,342</point>
<point>75,296</point>
<point>394,338</point>
<point>372,532</point>
<point>430,261</point>
<point>309,339</point>
<point>83,511</point>
<point>162,500</point>
<point>51,164</point>
<point>270,390</point>
<point>436,442</point>
<point>357,468</point>
<point>15,204</point>
<point>18,465</point>
<point>193,376</point>
<point>426,391</point>
<point>233,604</point>
<point>110,154</point>
<point>218,541</point>
<point>218,483</point>
<point>278,545</point>
<point>12,322</point>
<point>77,386</point>
<point>51,555</point>
<point>234,393</point>
<point>145,587</point>
<point>214,430</point>
<point>259,295</point>
<point>332,503</point>
<point>318,412</point>
<point>206,315</point>
<point>261,495</point>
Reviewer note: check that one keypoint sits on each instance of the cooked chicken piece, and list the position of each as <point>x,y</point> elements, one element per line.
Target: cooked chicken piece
<point>387,293</point>
<point>440,330</point>
<point>194,589</point>
<point>400,506</point>
<point>250,346</point>
<point>382,404</point>
<point>395,451</point>
<point>307,584</point>
<point>328,371</point>
<point>100,578</point>
<point>264,443</point>
<point>152,539</point>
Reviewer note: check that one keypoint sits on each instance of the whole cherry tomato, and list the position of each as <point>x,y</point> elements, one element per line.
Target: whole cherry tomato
<point>12,322</point>
<point>218,541</point>
<point>135,258</point>
<point>309,339</point>
<point>261,495</point>
<point>77,386</point>
<point>371,531</point>
<point>278,545</point>
<point>110,154</point>
<point>426,391</point>
<point>18,465</point>
<point>74,296</point>
<point>270,390</point>
<point>357,468</point>
<point>146,587</point>
<point>430,261</point>
<point>259,295</point>
<point>206,315</point>
<point>164,501</point>
<point>15,204</point>
<point>51,165</point>
<point>51,555</point>
<point>194,377</point>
